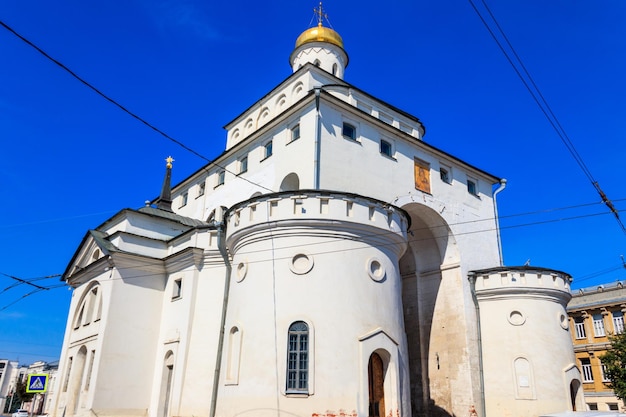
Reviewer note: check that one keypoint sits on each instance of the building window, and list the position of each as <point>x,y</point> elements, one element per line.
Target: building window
<point>68,372</point>
<point>90,370</point>
<point>385,148</point>
<point>586,368</point>
<point>598,325</point>
<point>177,289</point>
<point>618,322</point>
<point>221,176</point>
<point>579,325</point>
<point>348,131</point>
<point>592,406</point>
<point>444,174</point>
<point>471,187</point>
<point>613,407</point>
<point>267,149</point>
<point>298,358</point>
<point>603,371</point>
<point>183,199</point>
<point>422,175</point>
<point>243,165</point>
<point>295,132</point>
<point>201,188</point>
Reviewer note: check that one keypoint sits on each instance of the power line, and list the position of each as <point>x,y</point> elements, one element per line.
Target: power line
<point>543,105</point>
<point>123,108</point>
<point>333,251</point>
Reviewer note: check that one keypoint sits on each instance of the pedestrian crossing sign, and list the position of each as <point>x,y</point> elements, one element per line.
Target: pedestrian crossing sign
<point>37,383</point>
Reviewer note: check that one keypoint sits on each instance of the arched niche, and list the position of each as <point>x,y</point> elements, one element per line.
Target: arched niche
<point>431,278</point>
<point>290,183</point>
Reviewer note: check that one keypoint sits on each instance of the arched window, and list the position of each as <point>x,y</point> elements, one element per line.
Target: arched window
<point>334,69</point>
<point>298,357</point>
<point>317,63</point>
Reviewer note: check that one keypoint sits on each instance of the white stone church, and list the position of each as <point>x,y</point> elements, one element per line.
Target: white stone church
<point>329,263</point>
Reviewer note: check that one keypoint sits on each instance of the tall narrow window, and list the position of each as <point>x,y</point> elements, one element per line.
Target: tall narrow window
<point>444,174</point>
<point>586,370</point>
<point>618,322</point>
<point>295,132</point>
<point>471,187</point>
<point>268,149</point>
<point>90,370</point>
<point>221,176</point>
<point>603,373</point>
<point>177,289</point>
<point>68,373</point>
<point>422,175</point>
<point>243,164</point>
<point>579,326</point>
<point>298,358</point>
<point>183,199</point>
<point>201,188</point>
<point>598,325</point>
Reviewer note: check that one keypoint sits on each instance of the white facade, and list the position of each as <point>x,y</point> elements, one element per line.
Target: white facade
<point>318,267</point>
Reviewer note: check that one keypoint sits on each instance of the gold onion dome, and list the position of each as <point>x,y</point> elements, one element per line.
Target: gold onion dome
<point>319,34</point>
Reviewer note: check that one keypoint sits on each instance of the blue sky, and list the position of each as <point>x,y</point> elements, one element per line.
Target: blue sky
<point>70,159</point>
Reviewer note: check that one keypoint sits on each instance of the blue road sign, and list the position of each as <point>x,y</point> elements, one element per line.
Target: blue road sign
<point>37,383</point>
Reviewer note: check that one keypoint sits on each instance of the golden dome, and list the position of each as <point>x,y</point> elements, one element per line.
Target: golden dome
<point>319,34</point>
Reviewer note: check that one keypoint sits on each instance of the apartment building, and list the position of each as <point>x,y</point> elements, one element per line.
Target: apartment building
<point>596,313</point>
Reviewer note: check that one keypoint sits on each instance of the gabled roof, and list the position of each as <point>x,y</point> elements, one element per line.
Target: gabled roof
<point>100,237</point>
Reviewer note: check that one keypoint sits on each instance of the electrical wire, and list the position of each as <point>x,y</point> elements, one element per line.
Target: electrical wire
<point>321,252</point>
<point>123,108</point>
<point>543,105</point>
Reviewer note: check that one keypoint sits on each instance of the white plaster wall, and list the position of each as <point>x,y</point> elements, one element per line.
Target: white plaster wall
<point>337,298</point>
<point>523,315</point>
<point>129,342</point>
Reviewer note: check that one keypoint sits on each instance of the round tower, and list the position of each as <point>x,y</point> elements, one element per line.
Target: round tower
<point>320,46</point>
<point>315,322</point>
<point>525,341</point>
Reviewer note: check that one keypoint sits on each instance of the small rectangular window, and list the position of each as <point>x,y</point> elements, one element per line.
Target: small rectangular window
<point>348,131</point>
<point>295,132</point>
<point>243,165</point>
<point>471,187</point>
<point>422,175</point>
<point>385,148</point>
<point>221,176</point>
<point>177,289</point>
<point>201,188</point>
<point>183,199</point>
<point>613,407</point>
<point>592,406</point>
<point>445,174</point>
<point>268,149</point>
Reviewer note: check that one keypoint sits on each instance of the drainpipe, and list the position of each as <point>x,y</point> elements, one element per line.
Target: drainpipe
<point>318,140</point>
<point>221,244</point>
<point>495,212</point>
<point>472,280</point>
